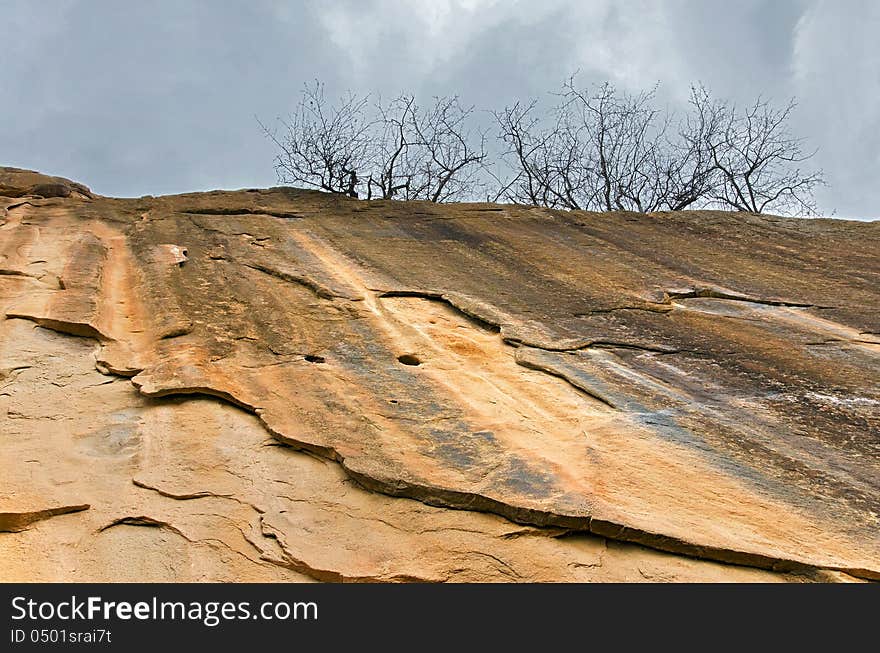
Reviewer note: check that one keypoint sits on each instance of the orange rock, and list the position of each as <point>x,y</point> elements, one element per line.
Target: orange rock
<point>317,381</point>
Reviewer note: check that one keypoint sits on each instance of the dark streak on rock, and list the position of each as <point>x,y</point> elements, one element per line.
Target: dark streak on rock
<point>243,211</point>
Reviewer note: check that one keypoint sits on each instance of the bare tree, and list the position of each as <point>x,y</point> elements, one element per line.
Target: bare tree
<point>606,150</point>
<point>691,173</point>
<point>450,155</point>
<point>623,137</point>
<point>528,151</point>
<point>758,161</point>
<point>392,167</point>
<point>601,151</point>
<point>324,146</point>
<point>387,151</point>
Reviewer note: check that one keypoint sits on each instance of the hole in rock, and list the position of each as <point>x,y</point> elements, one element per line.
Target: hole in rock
<point>409,359</point>
<point>312,358</point>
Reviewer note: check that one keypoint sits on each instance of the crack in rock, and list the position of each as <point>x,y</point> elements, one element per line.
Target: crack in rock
<point>67,327</point>
<point>317,288</point>
<point>291,561</point>
<point>201,494</point>
<point>714,293</point>
<point>16,521</point>
<point>243,211</point>
<point>144,520</point>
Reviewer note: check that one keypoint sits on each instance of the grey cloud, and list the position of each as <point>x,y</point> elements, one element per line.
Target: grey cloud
<point>135,98</point>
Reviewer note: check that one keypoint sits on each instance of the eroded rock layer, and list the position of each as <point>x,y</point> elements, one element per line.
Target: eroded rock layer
<point>286,385</point>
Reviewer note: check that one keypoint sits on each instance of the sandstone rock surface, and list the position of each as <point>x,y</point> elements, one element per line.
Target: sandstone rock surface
<point>285,385</point>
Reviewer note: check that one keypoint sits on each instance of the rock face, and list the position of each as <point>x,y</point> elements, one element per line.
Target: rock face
<point>286,385</point>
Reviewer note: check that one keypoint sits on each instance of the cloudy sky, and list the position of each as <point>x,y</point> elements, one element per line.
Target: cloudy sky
<point>135,98</point>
